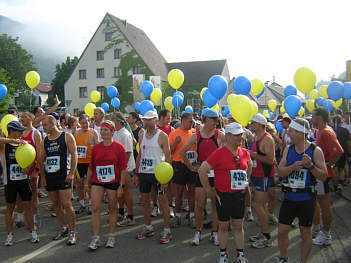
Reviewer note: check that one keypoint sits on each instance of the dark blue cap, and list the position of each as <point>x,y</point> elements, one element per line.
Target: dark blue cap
<point>211,113</point>
<point>16,126</point>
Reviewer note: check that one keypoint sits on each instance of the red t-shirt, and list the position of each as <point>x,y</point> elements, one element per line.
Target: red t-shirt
<point>107,162</point>
<point>223,161</point>
<point>166,129</point>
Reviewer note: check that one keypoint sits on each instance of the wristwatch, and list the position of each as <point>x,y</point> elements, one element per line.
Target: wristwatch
<point>311,167</point>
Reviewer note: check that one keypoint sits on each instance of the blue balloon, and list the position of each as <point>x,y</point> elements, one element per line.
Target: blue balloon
<point>105,106</point>
<point>3,91</point>
<point>218,86</point>
<point>226,109</point>
<point>177,101</point>
<point>292,105</point>
<point>242,85</point>
<point>182,113</point>
<point>208,99</point>
<point>145,106</point>
<point>279,126</point>
<point>137,106</point>
<point>112,92</point>
<point>335,90</point>
<point>271,115</point>
<point>347,90</point>
<point>259,95</point>
<point>204,111</point>
<point>320,101</point>
<point>146,88</point>
<point>327,104</point>
<point>115,102</point>
<point>179,93</point>
<point>290,90</point>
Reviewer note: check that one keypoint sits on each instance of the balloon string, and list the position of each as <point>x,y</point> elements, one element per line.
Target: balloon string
<point>30,100</point>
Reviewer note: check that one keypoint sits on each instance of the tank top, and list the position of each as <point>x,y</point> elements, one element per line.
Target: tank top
<point>302,179</point>
<point>12,172</point>
<point>30,139</point>
<point>151,153</point>
<point>57,161</point>
<point>205,146</point>
<point>166,129</point>
<point>260,169</point>
<point>98,130</point>
<point>84,146</point>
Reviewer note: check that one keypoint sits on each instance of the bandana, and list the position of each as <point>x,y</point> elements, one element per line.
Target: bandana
<point>108,126</point>
<point>298,127</point>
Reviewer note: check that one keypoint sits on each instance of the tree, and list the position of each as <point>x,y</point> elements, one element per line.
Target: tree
<point>5,80</point>
<point>62,73</point>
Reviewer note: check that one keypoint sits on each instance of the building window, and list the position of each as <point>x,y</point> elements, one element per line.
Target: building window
<point>83,74</point>
<point>116,72</point>
<point>101,89</point>
<point>108,36</point>
<point>83,92</point>
<point>76,111</point>
<point>117,53</point>
<point>100,73</point>
<point>99,55</point>
<point>136,69</point>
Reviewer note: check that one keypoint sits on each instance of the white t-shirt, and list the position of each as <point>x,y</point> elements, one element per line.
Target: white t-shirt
<point>98,129</point>
<point>124,137</point>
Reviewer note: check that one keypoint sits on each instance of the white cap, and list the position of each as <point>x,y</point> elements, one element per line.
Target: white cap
<point>234,128</point>
<point>259,118</point>
<point>150,115</point>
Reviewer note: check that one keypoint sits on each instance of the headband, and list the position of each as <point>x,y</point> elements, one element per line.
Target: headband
<point>297,126</point>
<point>108,126</point>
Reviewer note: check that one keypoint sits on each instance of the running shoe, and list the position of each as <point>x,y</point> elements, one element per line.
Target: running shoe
<point>249,216</point>
<point>49,207</point>
<point>165,237</point>
<point>241,259</point>
<point>72,238</point>
<point>110,243</point>
<point>155,211</point>
<point>262,243</point>
<point>41,194</point>
<point>186,206</point>
<point>34,237</point>
<point>282,260</point>
<point>80,210</point>
<point>273,220</point>
<point>94,243</point>
<point>146,233</point>
<point>197,238</point>
<point>223,258</point>
<point>53,214</point>
<point>126,222</point>
<point>89,212</point>
<point>214,238</point>
<point>62,233</point>
<point>256,237</point>
<point>322,239</point>
<point>175,222</point>
<point>171,211</point>
<point>9,240</point>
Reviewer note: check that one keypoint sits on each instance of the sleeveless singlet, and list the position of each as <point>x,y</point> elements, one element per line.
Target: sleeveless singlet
<point>30,139</point>
<point>260,169</point>
<point>205,146</point>
<point>84,146</point>
<point>98,130</point>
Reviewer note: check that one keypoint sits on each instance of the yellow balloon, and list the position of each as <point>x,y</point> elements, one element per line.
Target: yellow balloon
<point>202,92</point>
<point>168,103</point>
<point>163,172</point>
<point>6,120</point>
<point>305,80</point>
<point>256,86</point>
<point>216,107</point>
<point>230,98</point>
<point>337,104</point>
<point>314,94</point>
<point>25,155</point>
<point>266,113</point>
<point>137,147</point>
<point>310,105</point>
<point>156,95</point>
<point>175,78</point>
<point>254,108</point>
<point>240,109</point>
<point>272,105</point>
<point>282,109</point>
<point>32,79</point>
<point>323,91</point>
<point>95,96</point>
<point>301,111</point>
<point>89,109</point>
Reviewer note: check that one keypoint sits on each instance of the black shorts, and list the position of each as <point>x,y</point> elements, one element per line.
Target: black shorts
<point>108,186</point>
<point>182,174</point>
<point>198,182</point>
<point>146,181</point>
<point>23,189</point>
<point>55,184</point>
<point>322,187</point>
<point>303,210</point>
<point>341,163</point>
<point>230,205</point>
<point>82,169</point>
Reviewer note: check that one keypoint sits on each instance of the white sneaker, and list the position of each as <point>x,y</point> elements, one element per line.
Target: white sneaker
<point>155,211</point>
<point>273,220</point>
<point>110,242</point>
<point>9,240</point>
<point>223,258</point>
<point>34,237</point>
<point>94,243</point>
<point>197,238</point>
<point>214,238</point>
<point>322,239</point>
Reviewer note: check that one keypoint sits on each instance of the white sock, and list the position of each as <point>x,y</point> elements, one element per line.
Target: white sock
<point>167,230</point>
<point>149,227</point>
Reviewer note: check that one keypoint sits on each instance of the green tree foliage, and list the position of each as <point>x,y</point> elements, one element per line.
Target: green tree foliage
<point>62,73</point>
<point>5,80</point>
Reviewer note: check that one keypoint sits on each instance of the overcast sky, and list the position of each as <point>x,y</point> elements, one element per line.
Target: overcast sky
<point>259,38</point>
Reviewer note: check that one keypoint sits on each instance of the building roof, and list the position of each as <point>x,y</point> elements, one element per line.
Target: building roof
<point>143,47</point>
<point>44,87</point>
<point>198,71</point>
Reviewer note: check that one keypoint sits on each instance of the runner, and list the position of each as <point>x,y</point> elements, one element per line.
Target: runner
<point>207,140</point>
<point>183,178</point>
<point>86,138</point>
<point>326,139</point>
<point>232,167</point>
<point>262,178</point>
<point>106,174</point>
<point>132,120</point>
<point>99,115</point>
<point>16,181</point>
<point>59,153</point>
<point>301,164</point>
<point>154,148</point>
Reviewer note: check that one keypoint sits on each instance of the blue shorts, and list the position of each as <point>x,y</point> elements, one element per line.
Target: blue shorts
<point>262,184</point>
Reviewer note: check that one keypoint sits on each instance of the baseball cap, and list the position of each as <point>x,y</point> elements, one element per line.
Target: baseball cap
<point>234,128</point>
<point>150,115</point>
<point>287,119</point>
<point>12,109</point>
<point>56,116</point>
<point>16,126</point>
<point>211,113</point>
<point>259,118</point>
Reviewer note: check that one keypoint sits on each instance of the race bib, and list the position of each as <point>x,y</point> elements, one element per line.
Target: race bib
<point>16,173</point>
<point>53,164</point>
<point>192,156</point>
<point>82,152</point>
<point>238,180</point>
<point>297,179</point>
<point>211,173</point>
<point>254,163</point>
<point>148,163</point>
<point>105,174</point>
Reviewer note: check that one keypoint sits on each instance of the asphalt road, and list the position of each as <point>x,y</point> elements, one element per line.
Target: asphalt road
<point>130,250</point>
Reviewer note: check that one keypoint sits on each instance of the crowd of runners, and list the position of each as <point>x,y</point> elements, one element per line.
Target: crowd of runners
<point>214,158</point>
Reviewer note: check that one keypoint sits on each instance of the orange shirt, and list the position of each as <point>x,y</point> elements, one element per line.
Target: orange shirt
<point>184,135</point>
<point>84,146</point>
<point>326,139</point>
